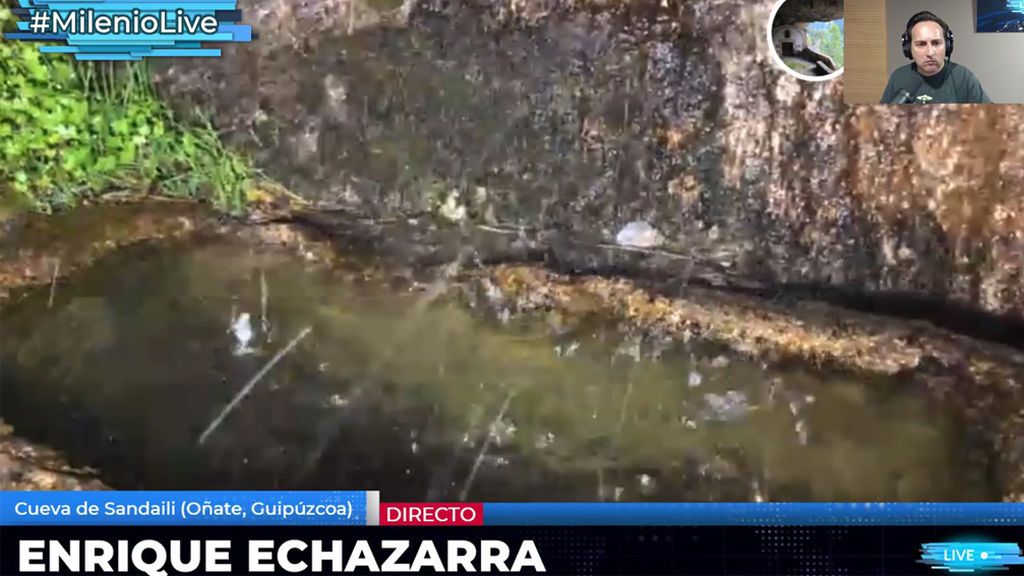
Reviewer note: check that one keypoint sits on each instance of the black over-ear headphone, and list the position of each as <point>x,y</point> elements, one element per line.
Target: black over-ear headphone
<point>927,17</point>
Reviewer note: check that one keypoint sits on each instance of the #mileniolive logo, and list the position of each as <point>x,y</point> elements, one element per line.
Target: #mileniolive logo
<point>971,556</point>
<point>129,29</point>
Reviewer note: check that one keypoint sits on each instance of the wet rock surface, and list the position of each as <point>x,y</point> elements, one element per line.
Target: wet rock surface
<point>28,466</point>
<point>800,11</point>
<point>37,249</point>
<point>423,242</point>
<point>589,115</point>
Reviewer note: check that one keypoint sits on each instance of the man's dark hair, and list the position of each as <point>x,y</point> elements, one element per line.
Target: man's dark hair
<point>927,17</point>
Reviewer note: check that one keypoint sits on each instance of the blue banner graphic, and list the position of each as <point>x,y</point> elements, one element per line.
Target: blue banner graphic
<point>130,29</point>
<point>184,508</point>
<point>971,556</point>
<point>362,508</point>
<point>760,514</point>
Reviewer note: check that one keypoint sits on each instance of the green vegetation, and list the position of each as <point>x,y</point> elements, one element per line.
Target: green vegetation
<point>72,130</point>
<point>828,41</point>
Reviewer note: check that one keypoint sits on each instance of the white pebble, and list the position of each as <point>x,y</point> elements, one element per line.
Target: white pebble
<point>639,234</point>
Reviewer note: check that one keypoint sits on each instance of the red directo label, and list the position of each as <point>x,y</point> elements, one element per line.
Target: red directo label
<point>435,514</point>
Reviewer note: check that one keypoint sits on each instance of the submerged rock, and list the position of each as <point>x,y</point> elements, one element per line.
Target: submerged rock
<point>25,465</point>
<point>694,379</point>
<point>729,406</point>
<point>982,380</point>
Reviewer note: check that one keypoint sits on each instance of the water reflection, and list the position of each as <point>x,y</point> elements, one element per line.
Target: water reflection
<point>140,353</point>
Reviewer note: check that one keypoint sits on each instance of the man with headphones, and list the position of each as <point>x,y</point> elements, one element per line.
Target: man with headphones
<point>932,78</point>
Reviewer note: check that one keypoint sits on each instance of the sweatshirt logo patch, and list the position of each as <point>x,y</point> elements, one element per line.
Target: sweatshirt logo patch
<point>924,98</point>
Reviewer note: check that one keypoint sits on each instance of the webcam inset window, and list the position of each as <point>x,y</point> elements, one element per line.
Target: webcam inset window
<point>917,52</point>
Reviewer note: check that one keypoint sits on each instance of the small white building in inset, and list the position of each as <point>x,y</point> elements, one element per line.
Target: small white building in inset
<point>790,39</point>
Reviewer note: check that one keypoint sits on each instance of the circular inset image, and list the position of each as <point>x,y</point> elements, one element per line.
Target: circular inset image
<point>806,37</point>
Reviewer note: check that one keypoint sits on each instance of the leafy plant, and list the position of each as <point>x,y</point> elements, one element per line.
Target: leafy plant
<point>70,130</point>
<point>828,41</point>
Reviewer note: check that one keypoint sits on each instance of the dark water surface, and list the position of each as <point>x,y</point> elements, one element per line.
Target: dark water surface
<point>140,353</point>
